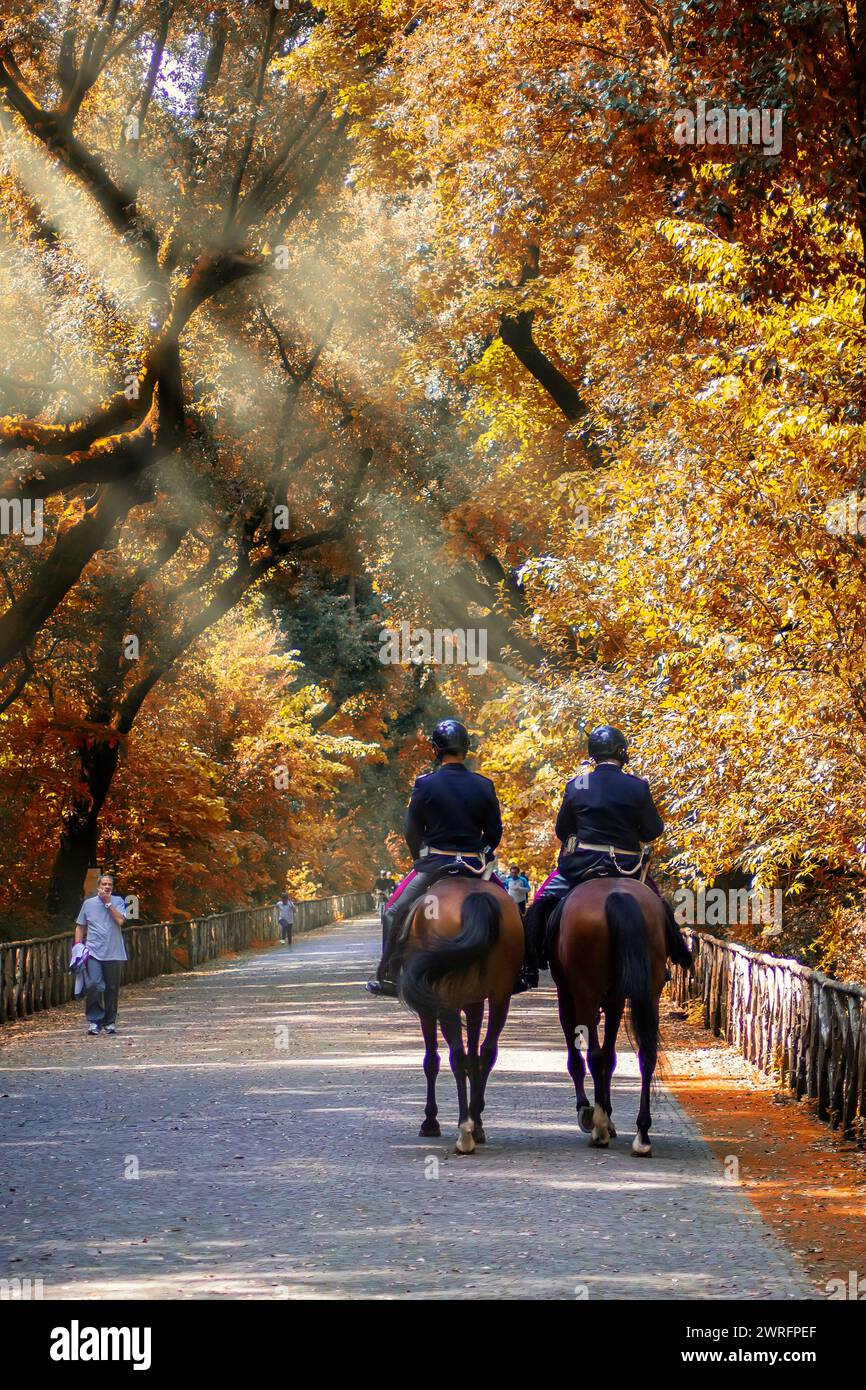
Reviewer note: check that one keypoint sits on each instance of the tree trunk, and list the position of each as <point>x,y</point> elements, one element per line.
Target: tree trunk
<point>77,850</point>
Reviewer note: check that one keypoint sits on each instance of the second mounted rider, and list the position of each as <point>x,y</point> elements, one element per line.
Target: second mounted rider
<point>606,818</point>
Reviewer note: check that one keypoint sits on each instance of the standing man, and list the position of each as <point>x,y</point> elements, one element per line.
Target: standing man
<point>99,923</point>
<point>285,918</point>
<point>517,886</point>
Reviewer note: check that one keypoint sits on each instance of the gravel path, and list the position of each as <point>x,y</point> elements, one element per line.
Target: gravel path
<point>253,1131</point>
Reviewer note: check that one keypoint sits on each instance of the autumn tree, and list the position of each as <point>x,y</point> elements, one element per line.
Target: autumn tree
<point>657,349</point>
<point>453,293</point>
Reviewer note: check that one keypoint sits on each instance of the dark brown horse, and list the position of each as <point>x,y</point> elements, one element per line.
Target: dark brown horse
<point>465,947</point>
<point>613,940</point>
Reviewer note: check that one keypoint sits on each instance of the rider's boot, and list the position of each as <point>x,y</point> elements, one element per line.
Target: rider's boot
<point>528,977</point>
<point>535,936</point>
<point>384,982</point>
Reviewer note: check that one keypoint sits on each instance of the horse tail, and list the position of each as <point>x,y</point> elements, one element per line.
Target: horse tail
<point>678,951</point>
<point>479,932</point>
<point>631,963</point>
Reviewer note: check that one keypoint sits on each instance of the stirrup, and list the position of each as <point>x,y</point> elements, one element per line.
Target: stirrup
<point>527,979</point>
<point>382,989</point>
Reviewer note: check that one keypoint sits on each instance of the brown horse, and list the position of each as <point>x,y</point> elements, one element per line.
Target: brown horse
<point>465,945</point>
<point>613,940</point>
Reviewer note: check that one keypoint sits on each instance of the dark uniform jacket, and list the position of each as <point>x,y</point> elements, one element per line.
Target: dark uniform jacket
<point>606,807</point>
<point>452,808</point>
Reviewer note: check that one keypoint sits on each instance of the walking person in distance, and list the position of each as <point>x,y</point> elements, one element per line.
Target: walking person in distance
<point>100,924</point>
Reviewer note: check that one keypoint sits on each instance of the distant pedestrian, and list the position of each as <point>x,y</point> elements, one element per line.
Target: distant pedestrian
<point>517,885</point>
<point>99,924</point>
<point>285,918</point>
<point>383,888</point>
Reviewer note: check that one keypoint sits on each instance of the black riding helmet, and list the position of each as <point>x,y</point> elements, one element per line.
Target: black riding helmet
<point>450,736</point>
<point>608,742</point>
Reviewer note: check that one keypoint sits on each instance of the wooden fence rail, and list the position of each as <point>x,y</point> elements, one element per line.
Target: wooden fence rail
<point>801,1027</point>
<point>35,974</point>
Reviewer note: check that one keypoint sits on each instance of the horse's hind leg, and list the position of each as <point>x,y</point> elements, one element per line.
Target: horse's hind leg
<point>452,1030</point>
<point>612,1018</point>
<point>601,1129</point>
<point>496,1016</point>
<point>648,1052</point>
<point>576,1067</point>
<point>474,1019</point>
<point>430,1125</point>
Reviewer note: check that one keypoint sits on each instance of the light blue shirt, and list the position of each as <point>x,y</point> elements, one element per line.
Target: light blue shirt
<point>104,937</point>
<point>517,886</point>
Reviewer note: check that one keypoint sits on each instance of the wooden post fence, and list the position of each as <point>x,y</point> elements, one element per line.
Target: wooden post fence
<point>799,1026</point>
<point>35,974</point>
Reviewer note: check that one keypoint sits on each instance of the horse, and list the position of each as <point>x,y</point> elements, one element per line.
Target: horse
<point>612,945</point>
<point>464,946</point>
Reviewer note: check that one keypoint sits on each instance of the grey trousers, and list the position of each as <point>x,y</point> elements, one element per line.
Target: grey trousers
<point>102,987</point>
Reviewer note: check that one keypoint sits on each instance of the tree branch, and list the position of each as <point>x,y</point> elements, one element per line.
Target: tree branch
<point>117,201</point>
<point>77,81</point>
<point>246,150</point>
<point>72,551</point>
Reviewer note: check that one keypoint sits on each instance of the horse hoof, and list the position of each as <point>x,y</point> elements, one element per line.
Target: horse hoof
<point>584,1119</point>
<point>611,1130</point>
<point>600,1137</point>
<point>430,1130</point>
<point>641,1148</point>
<point>479,1134</point>
<point>465,1142</point>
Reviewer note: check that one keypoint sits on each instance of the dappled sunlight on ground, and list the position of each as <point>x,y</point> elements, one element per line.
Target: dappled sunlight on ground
<point>270,1109</point>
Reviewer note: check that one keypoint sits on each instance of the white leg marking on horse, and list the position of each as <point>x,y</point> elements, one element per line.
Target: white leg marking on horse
<point>641,1147</point>
<point>465,1143</point>
<point>600,1127</point>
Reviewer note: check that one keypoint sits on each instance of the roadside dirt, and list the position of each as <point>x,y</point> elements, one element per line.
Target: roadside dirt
<point>807,1182</point>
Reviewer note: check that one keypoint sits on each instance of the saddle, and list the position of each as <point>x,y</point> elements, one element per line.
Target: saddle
<point>602,865</point>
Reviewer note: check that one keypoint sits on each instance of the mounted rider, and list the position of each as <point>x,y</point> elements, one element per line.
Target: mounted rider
<point>453,821</point>
<point>606,817</point>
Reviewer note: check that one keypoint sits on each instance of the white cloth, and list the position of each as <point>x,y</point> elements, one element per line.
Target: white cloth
<point>78,959</point>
